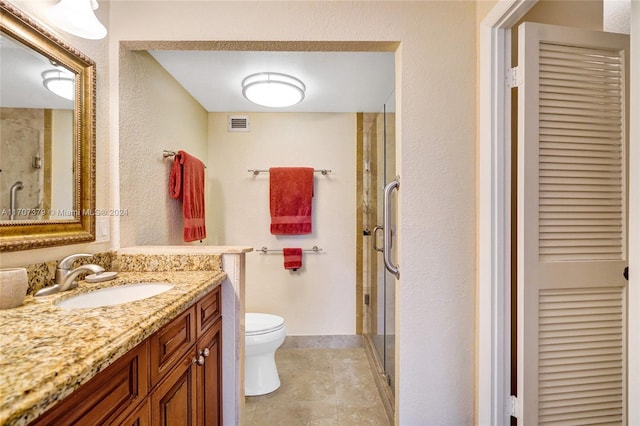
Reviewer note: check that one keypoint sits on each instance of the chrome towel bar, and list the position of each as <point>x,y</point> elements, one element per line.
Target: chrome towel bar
<point>258,171</point>
<point>265,250</point>
<point>166,154</point>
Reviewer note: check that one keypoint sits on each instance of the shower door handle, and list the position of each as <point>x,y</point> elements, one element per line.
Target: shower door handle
<point>394,269</point>
<point>375,238</point>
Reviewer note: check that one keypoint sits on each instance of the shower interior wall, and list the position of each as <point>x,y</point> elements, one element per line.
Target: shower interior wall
<point>319,298</point>
<point>44,135</point>
<point>370,217</point>
<point>24,125</point>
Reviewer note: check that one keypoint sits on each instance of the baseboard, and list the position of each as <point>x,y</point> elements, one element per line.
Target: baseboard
<point>323,342</point>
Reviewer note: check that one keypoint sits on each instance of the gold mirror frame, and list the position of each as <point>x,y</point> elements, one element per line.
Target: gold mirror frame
<point>46,233</point>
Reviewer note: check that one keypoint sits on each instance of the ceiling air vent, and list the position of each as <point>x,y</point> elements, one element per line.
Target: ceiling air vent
<point>237,123</point>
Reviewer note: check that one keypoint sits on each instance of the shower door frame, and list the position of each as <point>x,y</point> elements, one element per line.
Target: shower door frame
<point>375,170</point>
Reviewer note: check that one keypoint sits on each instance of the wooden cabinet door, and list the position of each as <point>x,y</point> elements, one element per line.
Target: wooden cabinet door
<point>209,376</point>
<point>173,401</point>
<point>109,395</point>
<point>140,417</point>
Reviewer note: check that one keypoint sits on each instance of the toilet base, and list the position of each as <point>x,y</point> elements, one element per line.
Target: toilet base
<point>260,371</point>
<point>261,375</point>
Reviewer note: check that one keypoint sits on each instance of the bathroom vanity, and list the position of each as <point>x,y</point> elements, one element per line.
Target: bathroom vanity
<point>133,360</point>
<point>172,377</point>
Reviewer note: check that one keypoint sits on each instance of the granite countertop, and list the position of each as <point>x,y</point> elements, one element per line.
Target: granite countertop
<point>47,352</point>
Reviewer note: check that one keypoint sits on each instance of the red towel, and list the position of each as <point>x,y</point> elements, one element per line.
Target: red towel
<point>292,258</point>
<point>291,193</point>
<point>187,182</point>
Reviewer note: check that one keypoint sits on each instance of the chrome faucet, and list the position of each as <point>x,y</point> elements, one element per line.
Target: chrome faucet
<point>68,280</point>
<point>65,276</point>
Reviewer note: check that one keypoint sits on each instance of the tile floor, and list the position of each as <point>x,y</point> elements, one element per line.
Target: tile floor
<point>320,387</point>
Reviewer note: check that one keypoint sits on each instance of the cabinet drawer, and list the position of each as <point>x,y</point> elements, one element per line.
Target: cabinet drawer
<point>109,395</point>
<point>171,342</point>
<point>208,310</point>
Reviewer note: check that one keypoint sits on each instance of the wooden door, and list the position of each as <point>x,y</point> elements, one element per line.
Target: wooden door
<point>572,226</point>
<point>173,401</point>
<point>209,377</point>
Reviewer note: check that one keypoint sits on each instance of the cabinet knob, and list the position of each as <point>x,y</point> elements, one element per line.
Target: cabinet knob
<point>198,361</point>
<point>205,352</point>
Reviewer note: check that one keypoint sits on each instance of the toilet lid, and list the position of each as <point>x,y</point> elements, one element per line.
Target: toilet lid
<point>255,323</point>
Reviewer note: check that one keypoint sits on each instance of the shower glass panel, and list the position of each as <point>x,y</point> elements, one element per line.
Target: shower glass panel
<point>380,155</point>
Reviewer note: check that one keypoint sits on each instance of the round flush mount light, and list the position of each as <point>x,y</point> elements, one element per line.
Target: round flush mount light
<point>272,89</point>
<point>59,82</point>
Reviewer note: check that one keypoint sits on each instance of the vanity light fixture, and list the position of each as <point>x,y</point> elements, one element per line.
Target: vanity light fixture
<point>59,82</point>
<point>272,89</point>
<point>76,17</point>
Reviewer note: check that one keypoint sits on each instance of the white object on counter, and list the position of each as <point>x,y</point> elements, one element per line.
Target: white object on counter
<point>13,287</point>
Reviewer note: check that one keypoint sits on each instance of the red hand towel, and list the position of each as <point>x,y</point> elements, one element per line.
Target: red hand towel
<point>292,258</point>
<point>187,182</point>
<point>290,197</point>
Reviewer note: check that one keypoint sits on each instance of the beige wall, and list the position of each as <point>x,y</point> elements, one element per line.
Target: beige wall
<point>318,299</point>
<point>156,113</point>
<point>575,13</point>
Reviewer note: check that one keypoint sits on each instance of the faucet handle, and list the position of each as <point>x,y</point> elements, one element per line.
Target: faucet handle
<point>68,261</point>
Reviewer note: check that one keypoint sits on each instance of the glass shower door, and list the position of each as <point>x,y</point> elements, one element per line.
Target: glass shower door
<point>383,336</point>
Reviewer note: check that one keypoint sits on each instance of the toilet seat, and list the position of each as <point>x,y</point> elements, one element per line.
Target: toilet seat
<point>257,324</point>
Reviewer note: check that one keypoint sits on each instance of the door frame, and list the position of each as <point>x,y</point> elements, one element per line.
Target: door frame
<point>493,338</point>
<point>633,320</point>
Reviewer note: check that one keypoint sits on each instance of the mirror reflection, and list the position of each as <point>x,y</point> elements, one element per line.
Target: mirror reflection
<point>36,135</point>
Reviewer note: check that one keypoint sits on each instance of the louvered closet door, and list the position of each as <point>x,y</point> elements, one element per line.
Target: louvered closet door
<point>572,224</point>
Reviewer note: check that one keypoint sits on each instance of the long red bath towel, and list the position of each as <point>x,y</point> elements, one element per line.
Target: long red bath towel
<point>187,182</point>
<point>290,199</point>
<point>292,258</point>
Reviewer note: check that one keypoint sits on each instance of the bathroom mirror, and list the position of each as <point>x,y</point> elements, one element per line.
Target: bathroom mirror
<point>47,137</point>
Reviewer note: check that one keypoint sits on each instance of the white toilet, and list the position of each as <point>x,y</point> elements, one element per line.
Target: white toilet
<point>264,333</point>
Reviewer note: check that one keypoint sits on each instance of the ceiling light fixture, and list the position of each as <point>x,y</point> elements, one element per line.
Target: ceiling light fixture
<point>76,17</point>
<point>272,89</point>
<point>59,82</point>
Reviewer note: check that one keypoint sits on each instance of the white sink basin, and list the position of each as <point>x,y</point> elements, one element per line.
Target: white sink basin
<point>115,295</point>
